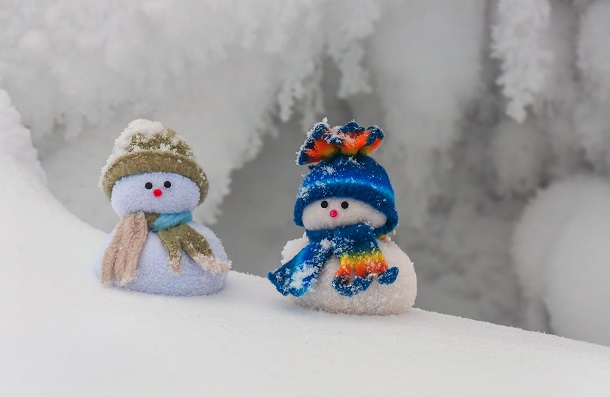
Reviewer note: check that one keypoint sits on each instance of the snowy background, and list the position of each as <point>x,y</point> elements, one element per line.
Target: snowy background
<point>63,334</point>
<point>495,113</point>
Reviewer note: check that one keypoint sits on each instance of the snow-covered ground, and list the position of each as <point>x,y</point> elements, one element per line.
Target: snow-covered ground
<point>62,333</point>
<point>483,102</point>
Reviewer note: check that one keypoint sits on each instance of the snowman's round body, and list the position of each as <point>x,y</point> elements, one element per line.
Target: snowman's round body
<point>162,193</point>
<point>378,298</point>
<point>154,276</point>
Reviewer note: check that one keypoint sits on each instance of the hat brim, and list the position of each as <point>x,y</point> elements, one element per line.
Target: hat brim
<point>151,161</point>
<point>378,197</point>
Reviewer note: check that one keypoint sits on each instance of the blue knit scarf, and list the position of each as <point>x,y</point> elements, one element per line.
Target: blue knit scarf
<point>165,221</point>
<point>355,246</point>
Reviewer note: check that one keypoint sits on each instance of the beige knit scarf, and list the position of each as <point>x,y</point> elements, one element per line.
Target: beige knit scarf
<point>121,257</point>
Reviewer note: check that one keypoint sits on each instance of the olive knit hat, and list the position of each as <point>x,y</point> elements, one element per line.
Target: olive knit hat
<point>148,146</point>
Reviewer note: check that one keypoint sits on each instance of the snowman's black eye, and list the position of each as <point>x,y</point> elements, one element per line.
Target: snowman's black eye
<point>148,185</point>
<point>344,205</point>
<point>324,204</point>
<point>167,184</point>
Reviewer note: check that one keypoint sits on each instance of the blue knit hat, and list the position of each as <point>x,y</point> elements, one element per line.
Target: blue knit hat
<point>341,167</point>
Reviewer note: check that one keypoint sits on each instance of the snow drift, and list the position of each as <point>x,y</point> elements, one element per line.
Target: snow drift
<point>62,333</point>
<point>483,103</point>
<point>561,254</point>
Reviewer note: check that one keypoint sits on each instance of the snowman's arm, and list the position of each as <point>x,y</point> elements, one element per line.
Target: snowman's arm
<point>293,247</point>
<point>213,240</point>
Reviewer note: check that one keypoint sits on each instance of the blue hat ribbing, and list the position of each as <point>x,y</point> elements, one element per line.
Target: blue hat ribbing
<point>356,176</point>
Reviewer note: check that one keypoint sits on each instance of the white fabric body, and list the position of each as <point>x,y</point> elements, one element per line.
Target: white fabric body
<point>378,299</point>
<point>315,217</point>
<point>154,276</point>
<point>130,195</point>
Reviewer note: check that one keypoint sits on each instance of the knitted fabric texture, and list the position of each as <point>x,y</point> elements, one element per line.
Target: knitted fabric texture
<point>350,139</point>
<point>355,246</point>
<point>176,235</point>
<point>121,257</point>
<point>142,152</point>
<point>347,172</point>
<point>165,221</point>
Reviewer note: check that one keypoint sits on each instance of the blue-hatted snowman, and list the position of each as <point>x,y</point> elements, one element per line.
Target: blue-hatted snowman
<point>345,262</point>
<point>153,183</point>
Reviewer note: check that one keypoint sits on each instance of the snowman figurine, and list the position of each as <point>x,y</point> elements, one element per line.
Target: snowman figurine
<point>153,183</point>
<point>345,262</point>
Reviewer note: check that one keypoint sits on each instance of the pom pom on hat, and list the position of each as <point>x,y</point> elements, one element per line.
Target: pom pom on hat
<point>324,142</point>
<point>148,146</point>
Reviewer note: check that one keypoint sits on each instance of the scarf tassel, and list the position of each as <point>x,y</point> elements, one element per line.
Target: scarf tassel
<point>177,236</point>
<point>121,257</point>
<point>360,284</point>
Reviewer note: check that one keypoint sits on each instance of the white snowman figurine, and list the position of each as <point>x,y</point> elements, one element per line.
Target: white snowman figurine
<point>153,183</point>
<point>345,262</point>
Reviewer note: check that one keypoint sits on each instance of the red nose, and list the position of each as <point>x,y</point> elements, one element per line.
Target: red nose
<point>333,213</point>
<point>157,192</point>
